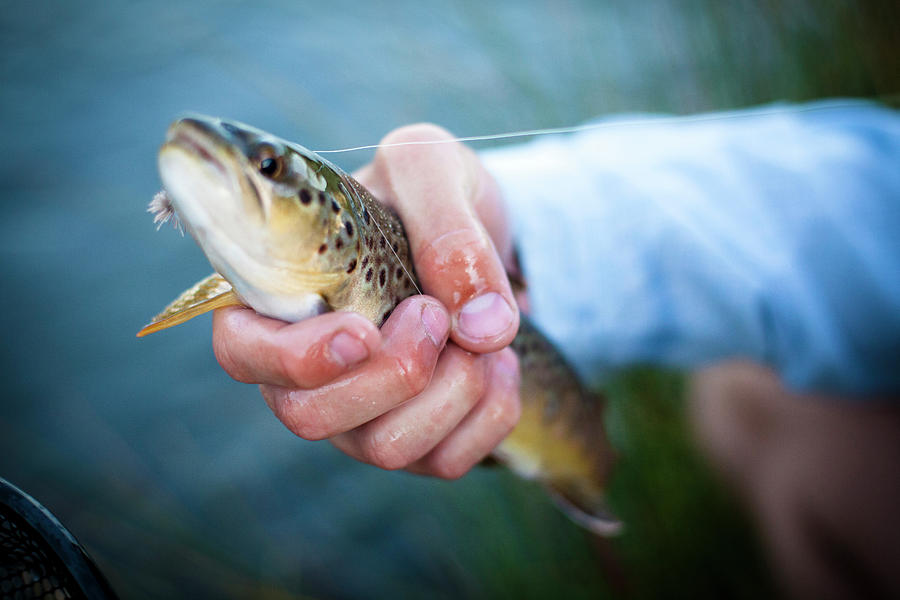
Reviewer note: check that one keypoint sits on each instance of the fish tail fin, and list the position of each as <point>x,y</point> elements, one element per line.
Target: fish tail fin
<point>585,505</point>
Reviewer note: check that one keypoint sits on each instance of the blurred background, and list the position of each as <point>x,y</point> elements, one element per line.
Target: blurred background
<point>177,479</point>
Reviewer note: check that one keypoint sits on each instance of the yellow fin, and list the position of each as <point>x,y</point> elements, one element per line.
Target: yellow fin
<point>206,295</point>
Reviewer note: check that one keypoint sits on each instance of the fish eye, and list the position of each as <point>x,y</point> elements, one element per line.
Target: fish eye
<point>269,167</point>
<point>269,163</point>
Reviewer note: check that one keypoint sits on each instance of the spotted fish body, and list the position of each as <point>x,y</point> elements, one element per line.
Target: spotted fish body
<point>292,236</point>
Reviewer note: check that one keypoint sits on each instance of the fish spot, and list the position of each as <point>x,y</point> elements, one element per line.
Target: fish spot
<point>369,275</point>
<point>305,196</point>
<point>382,277</point>
<point>349,227</point>
<point>395,247</point>
<point>366,216</point>
<point>323,248</point>
<point>365,262</point>
<point>382,243</point>
<point>399,273</point>
<point>335,207</point>
<point>322,198</point>
<point>338,244</point>
<point>352,266</point>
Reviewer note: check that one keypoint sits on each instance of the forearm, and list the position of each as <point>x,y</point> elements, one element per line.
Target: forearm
<point>766,236</point>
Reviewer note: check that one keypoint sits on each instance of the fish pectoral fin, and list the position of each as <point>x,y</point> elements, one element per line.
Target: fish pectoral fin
<point>587,507</point>
<point>177,318</point>
<point>206,295</point>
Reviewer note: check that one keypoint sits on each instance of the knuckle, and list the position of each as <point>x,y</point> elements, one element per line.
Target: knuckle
<point>225,357</point>
<point>383,453</point>
<point>417,132</point>
<point>461,247</point>
<point>451,469</point>
<point>312,432</point>
<point>469,373</point>
<point>293,366</point>
<point>504,412</point>
<point>299,419</point>
<point>412,376</point>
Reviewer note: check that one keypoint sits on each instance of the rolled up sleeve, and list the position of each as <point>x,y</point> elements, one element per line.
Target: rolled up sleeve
<point>771,234</point>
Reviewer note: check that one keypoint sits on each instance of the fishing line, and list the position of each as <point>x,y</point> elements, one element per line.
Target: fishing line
<point>648,120</point>
<point>356,197</point>
<point>611,124</point>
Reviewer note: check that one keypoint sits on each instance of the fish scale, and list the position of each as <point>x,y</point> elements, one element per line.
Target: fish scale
<point>291,235</point>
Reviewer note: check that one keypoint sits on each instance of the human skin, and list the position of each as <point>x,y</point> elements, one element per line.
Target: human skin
<point>818,472</point>
<point>436,388</point>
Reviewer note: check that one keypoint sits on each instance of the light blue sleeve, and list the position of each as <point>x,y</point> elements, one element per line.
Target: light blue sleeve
<point>771,234</point>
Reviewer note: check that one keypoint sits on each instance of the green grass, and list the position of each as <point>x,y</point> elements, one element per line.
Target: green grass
<point>685,536</point>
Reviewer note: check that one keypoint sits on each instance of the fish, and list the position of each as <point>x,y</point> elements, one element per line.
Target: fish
<point>292,236</point>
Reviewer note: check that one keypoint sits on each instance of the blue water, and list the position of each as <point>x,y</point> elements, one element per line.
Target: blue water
<point>179,480</point>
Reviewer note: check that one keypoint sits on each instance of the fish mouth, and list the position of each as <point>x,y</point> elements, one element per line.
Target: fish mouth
<point>211,142</point>
<point>199,138</point>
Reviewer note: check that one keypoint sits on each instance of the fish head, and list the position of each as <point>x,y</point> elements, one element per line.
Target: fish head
<point>272,217</point>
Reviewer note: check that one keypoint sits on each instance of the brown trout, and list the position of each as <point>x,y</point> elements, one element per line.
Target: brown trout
<point>292,236</point>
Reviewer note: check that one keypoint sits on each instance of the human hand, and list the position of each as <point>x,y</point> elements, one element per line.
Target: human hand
<point>403,396</point>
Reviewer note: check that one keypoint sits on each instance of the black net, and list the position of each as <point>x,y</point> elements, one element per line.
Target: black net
<point>39,558</point>
<point>28,568</point>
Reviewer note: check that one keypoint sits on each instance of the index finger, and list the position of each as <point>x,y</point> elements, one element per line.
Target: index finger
<point>438,191</point>
<point>255,349</point>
